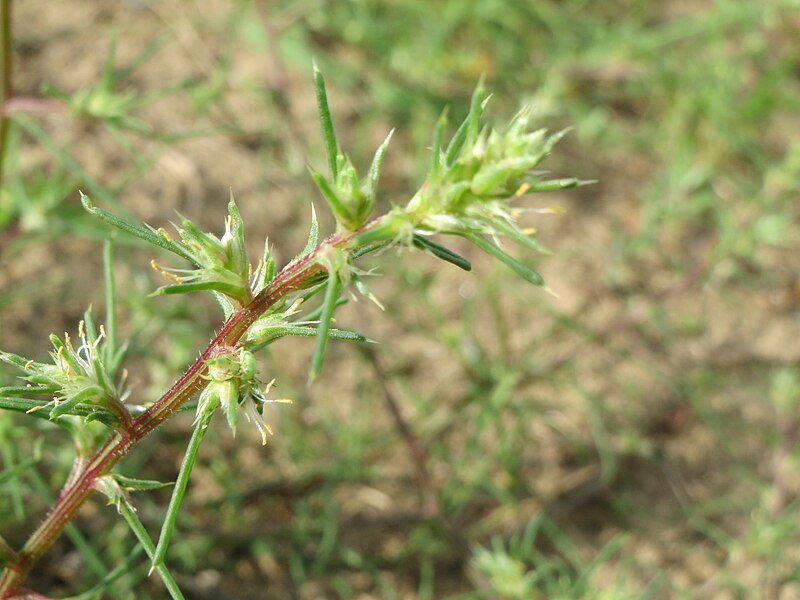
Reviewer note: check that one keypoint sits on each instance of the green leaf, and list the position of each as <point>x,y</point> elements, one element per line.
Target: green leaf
<point>272,334</point>
<point>43,409</point>
<point>441,252</point>
<point>313,236</point>
<point>328,133</point>
<point>456,143</point>
<point>110,351</point>
<point>179,490</point>
<point>86,394</point>
<point>476,105</point>
<point>337,206</point>
<point>148,234</point>
<point>332,290</point>
<point>14,359</point>
<point>519,268</point>
<point>269,264</point>
<point>227,306</point>
<point>436,146</point>
<point>375,167</point>
<point>518,236</point>
<point>237,247</point>
<point>554,185</point>
<point>130,483</point>
<point>185,288</point>
<point>141,534</point>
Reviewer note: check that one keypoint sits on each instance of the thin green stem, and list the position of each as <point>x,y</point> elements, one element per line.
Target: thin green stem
<point>181,483</point>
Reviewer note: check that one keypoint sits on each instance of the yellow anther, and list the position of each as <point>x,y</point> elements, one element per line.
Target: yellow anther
<point>164,233</point>
<point>522,190</point>
<point>81,332</point>
<point>165,273</point>
<point>28,365</point>
<point>35,408</point>
<point>529,230</point>
<point>294,307</point>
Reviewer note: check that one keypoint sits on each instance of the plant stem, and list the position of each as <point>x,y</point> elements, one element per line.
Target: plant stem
<point>294,276</point>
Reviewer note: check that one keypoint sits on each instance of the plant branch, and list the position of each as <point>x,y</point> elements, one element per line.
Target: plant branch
<point>467,194</point>
<point>295,276</point>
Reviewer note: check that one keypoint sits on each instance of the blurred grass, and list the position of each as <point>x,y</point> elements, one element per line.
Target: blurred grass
<point>633,438</point>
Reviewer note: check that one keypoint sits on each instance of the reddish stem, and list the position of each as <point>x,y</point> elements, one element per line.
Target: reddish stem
<point>81,482</point>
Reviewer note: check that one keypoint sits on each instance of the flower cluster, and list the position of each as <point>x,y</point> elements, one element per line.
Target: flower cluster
<point>473,181</point>
<point>233,384</point>
<point>470,188</point>
<point>221,264</point>
<point>79,380</point>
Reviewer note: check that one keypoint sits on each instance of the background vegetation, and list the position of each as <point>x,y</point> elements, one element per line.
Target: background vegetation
<point>632,437</point>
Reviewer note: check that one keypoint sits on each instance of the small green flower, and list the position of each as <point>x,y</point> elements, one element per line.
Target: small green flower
<point>233,384</point>
<point>221,264</point>
<point>76,376</point>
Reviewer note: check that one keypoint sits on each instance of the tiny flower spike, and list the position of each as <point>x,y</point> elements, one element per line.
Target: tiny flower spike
<point>470,187</point>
